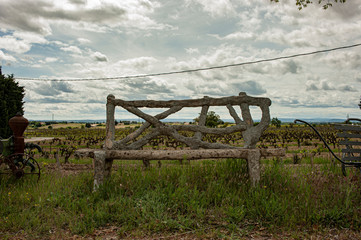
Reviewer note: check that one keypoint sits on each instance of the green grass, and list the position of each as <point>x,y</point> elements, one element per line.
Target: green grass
<point>181,198</point>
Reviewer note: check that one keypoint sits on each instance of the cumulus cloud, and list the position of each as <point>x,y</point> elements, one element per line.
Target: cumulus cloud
<point>251,87</point>
<point>28,20</point>
<point>12,44</point>
<point>53,88</point>
<point>139,63</point>
<point>238,36</point>
<point>30,37</point>
<point>205,89</point>
<point>200,88</point>
<point>83,40</point>
<point>99,57</point>
<point>51,59</point>
<point>327,86</point>
<point>324,85</point>
<point>145,88</point>
<point>311,86</point>
<point>72,49</point>
<point>291,67</point>
<point>90,39</point>
<point>6,57</point>
<point>347,88</point>
<point>192,50</point>
<point>346,59</point>
<point>319,85</point>
<point>37,16</point>
<point>216,8</point>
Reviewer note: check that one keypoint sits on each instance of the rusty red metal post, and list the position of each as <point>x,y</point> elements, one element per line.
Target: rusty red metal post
<point>18,125</point>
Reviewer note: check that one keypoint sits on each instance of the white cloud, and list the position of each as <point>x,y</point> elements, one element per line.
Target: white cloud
<point>53,88</point>
<point>347,88</point>
<point>83,40</point>
<point>30,37</point>
<point>51,59</point>
<point>6,57</point>
<point>107,38</point>
<point>328,86</point>
<point>97,56</point>
<point>192,50</point>
<point>12,44</point>
<point>38,16</point>
<point>344,59</point>
<point>239,36</point>
<point>217,8</point>
<point>72,49</point>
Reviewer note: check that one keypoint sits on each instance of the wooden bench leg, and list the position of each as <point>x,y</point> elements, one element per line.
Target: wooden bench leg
<point>99,168</point>
<point>253,160</point>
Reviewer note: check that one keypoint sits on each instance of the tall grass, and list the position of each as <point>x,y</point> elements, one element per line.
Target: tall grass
<point>181,198</point>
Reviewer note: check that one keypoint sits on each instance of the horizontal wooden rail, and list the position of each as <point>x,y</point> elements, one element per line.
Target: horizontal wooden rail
<point>190,154</point>
<point>206,101</point>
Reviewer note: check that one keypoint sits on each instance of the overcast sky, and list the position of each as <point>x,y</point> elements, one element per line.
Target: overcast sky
<point>109,38</point>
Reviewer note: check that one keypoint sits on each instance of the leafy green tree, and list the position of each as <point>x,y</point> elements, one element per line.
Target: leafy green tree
<point>276,122</point>
<point>11,102</point>
<point>88,125</point>
<point>212,120</point>
<point>303,3</point>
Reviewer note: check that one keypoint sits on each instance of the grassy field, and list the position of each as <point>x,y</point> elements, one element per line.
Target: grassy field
<point>210,199</point>
<point>302,196</point>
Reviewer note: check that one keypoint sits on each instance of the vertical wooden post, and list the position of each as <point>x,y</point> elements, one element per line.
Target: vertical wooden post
<point>99,168</point>
<point>109,140</point>
<point>110,124</point>
<point>246,113</point>
<point>202,120</point>
<point>253,161</point>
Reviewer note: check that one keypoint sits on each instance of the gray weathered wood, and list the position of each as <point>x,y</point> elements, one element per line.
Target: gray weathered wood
<point>130,146</point>
<point>190,154</point>
<point>202,122</point>
<point>234,100</point>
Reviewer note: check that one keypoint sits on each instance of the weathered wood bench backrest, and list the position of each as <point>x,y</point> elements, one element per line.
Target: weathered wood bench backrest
<point>130,147</point>
<point>251,133</point>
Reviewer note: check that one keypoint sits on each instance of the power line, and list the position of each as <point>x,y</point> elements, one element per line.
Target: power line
<point>189,70</point>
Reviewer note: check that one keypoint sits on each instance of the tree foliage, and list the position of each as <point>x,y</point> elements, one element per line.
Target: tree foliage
<point>276,122</point>
<point>11,102</point>
<point>301,4</point>
<point>212,120</point>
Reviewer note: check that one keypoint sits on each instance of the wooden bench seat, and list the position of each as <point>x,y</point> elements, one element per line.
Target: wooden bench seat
<point>130,147</point>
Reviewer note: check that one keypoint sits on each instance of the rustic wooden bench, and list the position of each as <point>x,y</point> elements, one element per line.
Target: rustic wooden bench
<point>130,147</point>
<point>351,134</point>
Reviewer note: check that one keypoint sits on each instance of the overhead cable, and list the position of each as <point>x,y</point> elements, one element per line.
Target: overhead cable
<point>188,70</point>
